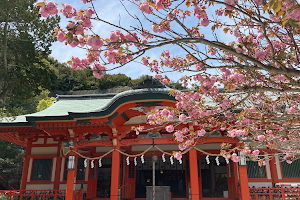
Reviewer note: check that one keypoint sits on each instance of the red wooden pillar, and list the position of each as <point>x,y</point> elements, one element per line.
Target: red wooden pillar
<point>57,173</point>
<point>200,178</point>
<point>244,182</point>
<point>115,174</point>
<point>57,169</point>
<point>273,170</point>
<point>71,179</point>
<point>194,174</point>
<point>25,166</point>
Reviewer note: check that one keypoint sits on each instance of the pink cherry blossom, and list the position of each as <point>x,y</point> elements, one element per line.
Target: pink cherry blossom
<point>60,36</point>
<point>255,152</point>
<point>164,81</point>
<point>159,76</point>
<point>178,156</point>
<point>79,29</point>
<point>201,132</point>
<point>204,22</point>
<point>261,138</point>
<point>182,117</point>
<point>99,70</point>
<point>95,42</point>
<point>144,6</point>
<point>292,109</point>
<point>52,8</point>
<point>113,37</point>
<point>260,55</point>
<point>44,11</point>
<point>169,118</point>
<point>89,12</point>
<point>170,128</point>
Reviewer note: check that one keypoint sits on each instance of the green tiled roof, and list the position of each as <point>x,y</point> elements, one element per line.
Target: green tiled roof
<point>75,106</point>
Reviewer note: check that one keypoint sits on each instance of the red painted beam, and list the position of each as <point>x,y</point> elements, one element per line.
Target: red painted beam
<point>149,141</point>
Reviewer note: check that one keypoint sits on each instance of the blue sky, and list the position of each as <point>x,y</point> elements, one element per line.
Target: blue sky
<point>115,13</point>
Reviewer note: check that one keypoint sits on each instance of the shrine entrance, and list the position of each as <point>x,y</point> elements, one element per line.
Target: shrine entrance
<point>166,174</point>
<point>214,177</point>
<point>104,178</point>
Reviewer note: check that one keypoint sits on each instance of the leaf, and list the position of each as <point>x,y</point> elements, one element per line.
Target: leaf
<point>293,23</point>
<point>281,56</point>
<point>226,30</point>
<point>280,13</point>
<point>188,3</point>
<point>277,6</point>
<point>40,4</point>
<point>265,7</point>
<point>284,21</point>
<point>271,4</point>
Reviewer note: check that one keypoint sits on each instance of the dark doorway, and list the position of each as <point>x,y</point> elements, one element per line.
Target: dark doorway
<point>214,177</point>
<point>165,175</point>
<point>104,179</point>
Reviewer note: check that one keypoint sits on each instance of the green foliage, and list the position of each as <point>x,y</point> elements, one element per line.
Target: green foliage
<point>11,162</point>
<point>45,103</point>
<point>25,40</point>
<point>3,197</point>
<point>176,85</point>
<point>65,78</point>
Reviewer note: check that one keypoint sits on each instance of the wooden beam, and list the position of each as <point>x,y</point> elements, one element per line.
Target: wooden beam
<point>149,141</point>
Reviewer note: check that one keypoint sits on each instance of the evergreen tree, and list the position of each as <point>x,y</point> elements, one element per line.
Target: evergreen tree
<point>24,40</point>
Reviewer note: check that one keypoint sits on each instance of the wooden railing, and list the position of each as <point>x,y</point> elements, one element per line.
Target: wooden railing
<point>39,194</point>
<point>275,193</point>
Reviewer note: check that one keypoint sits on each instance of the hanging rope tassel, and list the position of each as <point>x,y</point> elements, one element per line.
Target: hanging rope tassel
<point>163,158</point>
<point>100,162</point>
<point>85,163</point>
<point>127,161</point>
<point>207,159</point>
<point>142,159</point>
<point>135,162</point>
<point>217,160</point>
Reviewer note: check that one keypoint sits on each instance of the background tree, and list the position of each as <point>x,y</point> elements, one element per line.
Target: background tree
<point>11,163</point>
<point>256,64</point>
<point>24,41</point>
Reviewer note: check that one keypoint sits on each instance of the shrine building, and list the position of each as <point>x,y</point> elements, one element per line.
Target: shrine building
<point>86,142</point>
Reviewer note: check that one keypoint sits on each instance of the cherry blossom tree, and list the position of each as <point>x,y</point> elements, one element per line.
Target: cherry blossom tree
<point>240,56</point>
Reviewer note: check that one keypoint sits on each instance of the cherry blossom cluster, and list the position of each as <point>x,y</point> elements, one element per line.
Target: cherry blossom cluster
<point>247,88</point>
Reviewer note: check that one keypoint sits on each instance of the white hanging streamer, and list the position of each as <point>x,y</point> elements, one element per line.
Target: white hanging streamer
<point>180,162</point>
<point>92,164</point>
<point>171,160</point>
<point>207,159</point>
<point>85,163</point>
<point>142,159</point>
<point>100,163</point>
<point>227,161</point>
<point>163,158</point>
<point>217,160</point>
<point>135,162</point>
<point>127,161</point>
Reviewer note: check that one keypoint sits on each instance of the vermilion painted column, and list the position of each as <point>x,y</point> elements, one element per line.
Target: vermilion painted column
<point>71,179</point>
<point>57,173</point>
<point>25,166</point>
<point>57,169</point>
<point>200,178</point>
<point>274,174</point>
<point>115,174</point>
<point>244,182</point>
<point>194,174</point>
